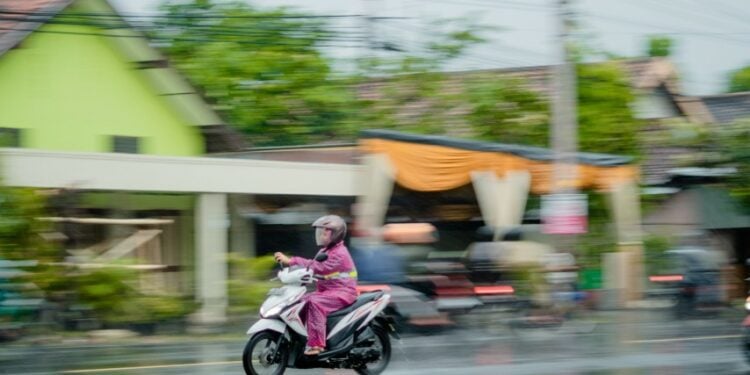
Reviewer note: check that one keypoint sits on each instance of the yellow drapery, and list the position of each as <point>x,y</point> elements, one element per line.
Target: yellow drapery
<point>430,168</point>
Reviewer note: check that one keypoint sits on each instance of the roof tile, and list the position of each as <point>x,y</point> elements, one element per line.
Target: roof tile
<point>14,18</point>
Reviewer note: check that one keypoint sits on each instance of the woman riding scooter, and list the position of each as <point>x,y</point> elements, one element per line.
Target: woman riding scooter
<point>337,287</point>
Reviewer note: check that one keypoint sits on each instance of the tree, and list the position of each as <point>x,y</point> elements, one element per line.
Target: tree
<point>261,69</point>
<point>20,229</point>
<point>411,92</point>
<point>503,110</point>
<point>739,80</point>
<point>606,123</point>
<point>660,46</point>
<point>733,140</point>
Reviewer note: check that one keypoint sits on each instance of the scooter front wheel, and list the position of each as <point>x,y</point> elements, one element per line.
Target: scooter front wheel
<point>263,354</point>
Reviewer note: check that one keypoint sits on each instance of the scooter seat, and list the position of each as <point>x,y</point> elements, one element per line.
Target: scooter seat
<point>361,300</point>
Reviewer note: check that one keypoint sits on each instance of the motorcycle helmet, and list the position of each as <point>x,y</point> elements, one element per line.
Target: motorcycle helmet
<point>329,230</point>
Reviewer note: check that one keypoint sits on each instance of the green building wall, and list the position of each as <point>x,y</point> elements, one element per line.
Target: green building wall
<point>68,91</point>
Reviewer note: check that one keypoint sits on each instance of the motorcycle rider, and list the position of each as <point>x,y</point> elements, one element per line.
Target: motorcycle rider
<point>337,284</point>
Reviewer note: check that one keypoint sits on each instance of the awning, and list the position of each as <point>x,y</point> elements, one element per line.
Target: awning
<point>434,163</point>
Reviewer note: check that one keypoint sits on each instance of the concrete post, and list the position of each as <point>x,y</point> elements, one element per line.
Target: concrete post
<point>627,217</point>
<point>211,226</point>
<point>615,280</point>
<point>242,231</point>
<point>376,189</point>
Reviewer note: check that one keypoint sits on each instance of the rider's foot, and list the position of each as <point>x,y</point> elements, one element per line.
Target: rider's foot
<point>315,350</point>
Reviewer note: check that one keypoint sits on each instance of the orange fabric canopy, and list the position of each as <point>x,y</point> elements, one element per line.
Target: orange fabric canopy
<point>430,164</point>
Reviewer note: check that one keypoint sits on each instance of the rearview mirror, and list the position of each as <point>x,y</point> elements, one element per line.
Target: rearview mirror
<point>321,257</point>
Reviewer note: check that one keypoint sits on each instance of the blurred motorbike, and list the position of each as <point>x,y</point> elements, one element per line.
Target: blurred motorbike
<point>357,336</point>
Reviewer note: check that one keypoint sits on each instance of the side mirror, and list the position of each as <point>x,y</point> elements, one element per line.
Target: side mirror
<point>322,257</point>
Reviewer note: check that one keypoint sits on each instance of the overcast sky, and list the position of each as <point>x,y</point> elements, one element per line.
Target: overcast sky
<point>712,37</point>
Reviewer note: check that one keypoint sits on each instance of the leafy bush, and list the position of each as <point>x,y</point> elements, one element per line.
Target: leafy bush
<point>111,295</point>
<point>654,248</point>
<point>249,282</point>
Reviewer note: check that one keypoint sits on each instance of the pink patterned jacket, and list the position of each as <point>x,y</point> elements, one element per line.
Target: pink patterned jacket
<point>339,262</point>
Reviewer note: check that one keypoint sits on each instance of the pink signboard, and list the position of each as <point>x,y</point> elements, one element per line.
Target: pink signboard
<point>565,214</point>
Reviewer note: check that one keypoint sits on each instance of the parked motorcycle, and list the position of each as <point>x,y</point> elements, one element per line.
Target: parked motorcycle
<point>357,336</point>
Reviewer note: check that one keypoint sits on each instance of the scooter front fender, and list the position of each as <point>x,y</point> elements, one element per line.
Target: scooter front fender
<point>267,324</point>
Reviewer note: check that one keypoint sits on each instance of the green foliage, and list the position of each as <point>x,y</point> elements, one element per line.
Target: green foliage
<point>274,85</point>
<point>600,238</point>
<point>248,282</point>
<point>106,291</point>
<point>527,280</point>
<point>21,240</point>
<point>739,80</point>
<point>660,46</point>
<point>654,248</point>
<point>20,229</point>
<point>733,140</point>
<point>605,120</point>
<point>111,294</point>
<point>504,111</point>
<point>261,69</point>
<point>700,145</point>
<point>416,97</point>
<point>451,39</point>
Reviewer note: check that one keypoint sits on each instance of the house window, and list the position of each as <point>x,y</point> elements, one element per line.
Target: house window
<point>126,145</point>
<point>10,137</point>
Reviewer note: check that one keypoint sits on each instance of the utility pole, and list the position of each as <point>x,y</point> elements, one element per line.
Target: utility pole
<point>369,8</point>
<point>564,134</point>
<point>564,211</point>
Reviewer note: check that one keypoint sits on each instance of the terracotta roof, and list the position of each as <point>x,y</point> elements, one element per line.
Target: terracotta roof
<point>14,26</point>
<point>727,108</point>
<point>644,73</point>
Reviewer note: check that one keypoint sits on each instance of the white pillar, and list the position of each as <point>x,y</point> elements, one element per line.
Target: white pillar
<point>376,188</point>
<point>242,231</point>
<point>211,226</point>
<point>626,212</point>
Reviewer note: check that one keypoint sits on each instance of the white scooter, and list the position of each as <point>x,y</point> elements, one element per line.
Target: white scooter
<point>357,336</point>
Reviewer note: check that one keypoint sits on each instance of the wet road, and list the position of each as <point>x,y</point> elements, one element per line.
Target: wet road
<point>642,342</point>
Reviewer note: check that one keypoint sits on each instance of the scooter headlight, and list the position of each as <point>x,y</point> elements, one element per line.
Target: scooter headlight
<point>747,304</point>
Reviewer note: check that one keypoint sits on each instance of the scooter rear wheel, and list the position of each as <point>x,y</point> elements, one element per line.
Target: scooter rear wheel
<point>383,345</point>
<point>262,356</point>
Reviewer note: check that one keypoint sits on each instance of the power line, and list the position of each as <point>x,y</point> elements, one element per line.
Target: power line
<point>494,4</point>
<point>212,30</point>
<point>736,11</point>
<point>425,31</point>
<point>174,39</point>
<point>726,12</point>
<point>673,9</point>
<point>184,16</point>
<point>666,29</point>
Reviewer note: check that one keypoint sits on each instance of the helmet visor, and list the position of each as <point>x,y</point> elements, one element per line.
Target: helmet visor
<point>322,236</point>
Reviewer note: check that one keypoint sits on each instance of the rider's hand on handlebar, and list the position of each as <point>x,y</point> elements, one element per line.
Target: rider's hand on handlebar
<point>281,258</point>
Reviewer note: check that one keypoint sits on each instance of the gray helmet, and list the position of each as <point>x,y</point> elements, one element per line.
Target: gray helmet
<point>335,223</point>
